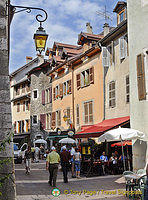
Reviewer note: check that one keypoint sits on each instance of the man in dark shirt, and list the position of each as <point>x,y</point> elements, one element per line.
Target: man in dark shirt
<point>65,157</point>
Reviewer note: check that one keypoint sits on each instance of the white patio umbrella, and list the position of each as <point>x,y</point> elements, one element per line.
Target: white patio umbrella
<point>121,134</point>
<point>40,141</point>
<point>67,141</point>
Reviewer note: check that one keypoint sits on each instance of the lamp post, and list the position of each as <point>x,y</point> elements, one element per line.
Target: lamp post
<point>40,37</point>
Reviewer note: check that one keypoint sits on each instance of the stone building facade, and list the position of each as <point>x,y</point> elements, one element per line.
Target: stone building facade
<point>40,102</point>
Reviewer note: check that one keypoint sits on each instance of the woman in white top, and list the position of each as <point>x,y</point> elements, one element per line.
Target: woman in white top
<point>77,159</point>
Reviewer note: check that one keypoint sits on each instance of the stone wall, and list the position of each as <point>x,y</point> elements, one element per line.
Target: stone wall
<point>8,187</point>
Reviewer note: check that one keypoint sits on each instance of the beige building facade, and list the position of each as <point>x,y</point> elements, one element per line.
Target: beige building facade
<point>116,66</point>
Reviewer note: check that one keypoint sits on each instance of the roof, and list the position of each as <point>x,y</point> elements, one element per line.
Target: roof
<point>23,67</point>
<point>23,80</point>
<point>88,36</point>
<point>58,59</point>
<point>72,51</point>
<point>98,129</point>
<point>119,6</point>
<point>120,29</point>
<point>58,44</point>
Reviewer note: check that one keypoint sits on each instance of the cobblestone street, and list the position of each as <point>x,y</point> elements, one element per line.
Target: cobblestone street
<point>35,186</point>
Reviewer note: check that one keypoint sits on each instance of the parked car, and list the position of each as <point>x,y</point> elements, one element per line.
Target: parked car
<point>19,153</point>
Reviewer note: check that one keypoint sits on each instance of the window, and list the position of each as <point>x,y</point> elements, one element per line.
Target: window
<point>66,88</point>
<point>111,53</point>
<point>27,105</point>
<point>112,100</point>
<point>23,105</point>
<point>48,121</point>
<point>88,112</point>
<point>58,118</point>
<point>77,115</point>
<point>121,16</point>
<point>28,87</point>
<point>57,92</point>
<point>18,107</point>
<point>35,94</point>
<point>68,115</point>
<point>34,119</point>
<point>105,57</point>
<point>85,78</point>
<point>127,89</point>
<point>141,77</point>
<point>23,87</point>
<point>47,96</point>
<point>17,89</point>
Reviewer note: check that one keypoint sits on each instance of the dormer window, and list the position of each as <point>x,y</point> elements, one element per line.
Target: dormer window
<point>121,18</point>
<point>120,9</point>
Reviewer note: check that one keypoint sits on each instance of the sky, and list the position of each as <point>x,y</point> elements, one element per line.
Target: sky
<point>66,19</point>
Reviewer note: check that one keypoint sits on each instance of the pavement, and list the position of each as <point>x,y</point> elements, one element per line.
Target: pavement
<point>35,186</point>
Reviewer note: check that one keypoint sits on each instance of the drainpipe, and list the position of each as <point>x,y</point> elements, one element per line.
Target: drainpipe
<point>73,106</point>
<point>104,74</point>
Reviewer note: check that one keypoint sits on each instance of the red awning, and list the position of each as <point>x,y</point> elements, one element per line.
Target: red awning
<point>98,129</point>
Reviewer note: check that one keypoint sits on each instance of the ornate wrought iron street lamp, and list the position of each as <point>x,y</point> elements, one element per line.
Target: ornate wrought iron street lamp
<point>40,37</point>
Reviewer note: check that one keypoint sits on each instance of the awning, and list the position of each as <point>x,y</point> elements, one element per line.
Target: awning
<point>21,136</point>
<point>98,129</point>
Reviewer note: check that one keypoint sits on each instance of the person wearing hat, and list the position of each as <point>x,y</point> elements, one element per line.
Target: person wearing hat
<point>52,163</point>
<point>65,157</point>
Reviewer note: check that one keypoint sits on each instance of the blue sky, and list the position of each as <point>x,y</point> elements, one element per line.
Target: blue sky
<point>66,19</point>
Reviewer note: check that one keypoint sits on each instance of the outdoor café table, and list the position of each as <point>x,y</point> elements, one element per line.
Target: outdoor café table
<point>134,177</point>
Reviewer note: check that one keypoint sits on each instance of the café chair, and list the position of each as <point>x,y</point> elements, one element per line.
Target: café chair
<point>129,183</point>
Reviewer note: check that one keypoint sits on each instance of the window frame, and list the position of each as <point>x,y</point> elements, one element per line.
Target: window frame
<point>36,119</point>
<point>84,115</point>
<point>35,90</point>
<point>110,98</point>
<point>127,93</point>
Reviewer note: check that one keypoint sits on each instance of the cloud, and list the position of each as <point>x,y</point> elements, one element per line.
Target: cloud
<point>66,19</point>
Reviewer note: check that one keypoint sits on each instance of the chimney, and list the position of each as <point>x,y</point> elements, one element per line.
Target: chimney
<point>106,29</point>
<point>89,28</point>
<point>28,59</point>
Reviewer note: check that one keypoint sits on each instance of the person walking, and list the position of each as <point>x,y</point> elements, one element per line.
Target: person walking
<point>65,157</point>
<point>52,163</point>
<point>77,160</point>
<point>72,152</point>
<point>37,154</point>
<point>27,159</point>
<point>42,152</point>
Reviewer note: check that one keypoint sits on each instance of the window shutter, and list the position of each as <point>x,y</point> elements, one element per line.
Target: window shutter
<point>122,50</point>
<point>70,86</point>
<point>23,105</point>
<point>43,120</point>
<point>141,77</point>
<point>78,81</point>
<point>43,97</point>
<point>54,97</point>
<point>15,127</point>
<point>105,59</point>
<point>61,90</point>
<point>125,46</point>
<point>50,95</point>
<point>86,113</point>
<point>91,74</point>
<point>53,118</point>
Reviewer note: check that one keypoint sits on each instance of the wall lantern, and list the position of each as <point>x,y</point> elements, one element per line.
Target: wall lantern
<point>40,36</point>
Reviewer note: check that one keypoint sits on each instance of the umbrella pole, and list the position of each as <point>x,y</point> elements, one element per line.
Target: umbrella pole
<point>123,155</point>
